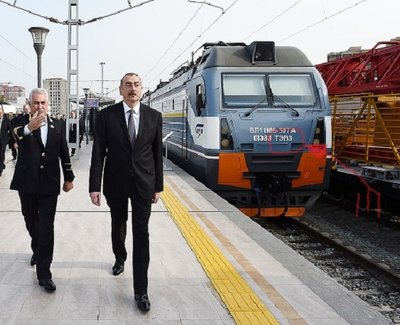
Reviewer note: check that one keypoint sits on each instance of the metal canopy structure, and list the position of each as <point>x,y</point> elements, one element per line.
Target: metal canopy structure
<point>376,71</point>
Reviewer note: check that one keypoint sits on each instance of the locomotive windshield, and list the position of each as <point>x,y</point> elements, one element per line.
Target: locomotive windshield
<point>244,90</point>
<point>267,90</point>
<point>293,89</point>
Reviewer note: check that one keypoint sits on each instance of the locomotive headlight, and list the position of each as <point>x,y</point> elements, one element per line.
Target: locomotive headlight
<point>225,135</point>
<point>319,136</point>
<point>225,144</point>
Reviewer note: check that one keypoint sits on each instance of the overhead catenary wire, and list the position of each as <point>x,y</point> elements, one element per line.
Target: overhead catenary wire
<point>117,12</point>
<point>52,19</point>
<point>199,36</point>
<point>1,36</point>
<point>206,3</point>
<point>80,22</point>
<point>16,68</point>
<point>273,19</point>
<point>176,39</point>
<point>323,20</point>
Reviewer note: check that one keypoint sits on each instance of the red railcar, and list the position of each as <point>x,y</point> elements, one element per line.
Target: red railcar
<point>364,90</point>
<point>375,71</point>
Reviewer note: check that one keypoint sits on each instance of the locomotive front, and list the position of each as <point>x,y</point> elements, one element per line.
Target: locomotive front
<point>275,132</point>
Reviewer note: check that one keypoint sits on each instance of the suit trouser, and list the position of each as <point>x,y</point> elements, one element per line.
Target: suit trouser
<point>141,210</point>
<point>39,213</point>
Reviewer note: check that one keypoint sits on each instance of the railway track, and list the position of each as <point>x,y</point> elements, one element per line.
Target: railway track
<point>368,277</point>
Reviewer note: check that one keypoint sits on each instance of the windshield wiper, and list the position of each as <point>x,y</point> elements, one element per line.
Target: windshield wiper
<point>293,112</point>
<point>285,104</point>
<point>251,110</point>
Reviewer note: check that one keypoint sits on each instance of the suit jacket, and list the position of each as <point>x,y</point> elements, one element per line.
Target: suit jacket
<point>38,167</point>
<point>4,132</point>
<point>113,151</point>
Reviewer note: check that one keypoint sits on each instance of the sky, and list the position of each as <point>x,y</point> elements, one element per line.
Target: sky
<point>158,36</point>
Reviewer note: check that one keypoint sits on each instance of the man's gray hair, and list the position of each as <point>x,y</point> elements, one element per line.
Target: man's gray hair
<point>38,91</point>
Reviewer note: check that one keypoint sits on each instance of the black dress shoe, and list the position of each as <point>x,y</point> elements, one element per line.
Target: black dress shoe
<point>118,268</point>
<point>48,284</point>
<point>143,302</point>
<point>33,260</point>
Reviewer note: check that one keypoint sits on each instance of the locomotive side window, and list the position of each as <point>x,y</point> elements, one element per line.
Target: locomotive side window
<point>244,90</point>
<point>199,98</point>
<point>295,89</point>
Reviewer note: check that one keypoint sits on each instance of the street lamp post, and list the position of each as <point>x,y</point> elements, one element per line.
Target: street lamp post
<point>86,114</point>
<point>39,37</point>
<point>102,78</point>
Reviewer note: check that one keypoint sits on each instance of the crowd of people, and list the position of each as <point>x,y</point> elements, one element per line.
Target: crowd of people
<point>126,166</point>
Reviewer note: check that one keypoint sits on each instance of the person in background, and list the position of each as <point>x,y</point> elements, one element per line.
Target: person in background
<point>42,145</point>
<point>12,145</point>
<point>81,129</point>
<point>5,128</point>
<point>26,110</point>
<point>72,132</point>
<point>129,134</point>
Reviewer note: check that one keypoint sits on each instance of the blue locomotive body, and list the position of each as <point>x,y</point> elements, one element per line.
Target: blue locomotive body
<point>253,123</point>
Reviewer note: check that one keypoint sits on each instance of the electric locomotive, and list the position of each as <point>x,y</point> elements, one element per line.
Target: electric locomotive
<point>253,123</point>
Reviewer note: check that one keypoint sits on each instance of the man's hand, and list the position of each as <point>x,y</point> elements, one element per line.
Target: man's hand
<point>156,197</point>
<point>68,186</point>
<point>96,198</point>
<point>36,121</point>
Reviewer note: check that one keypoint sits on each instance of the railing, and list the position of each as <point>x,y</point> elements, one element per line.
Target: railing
<point>366,128</point>
<point>166,150</point>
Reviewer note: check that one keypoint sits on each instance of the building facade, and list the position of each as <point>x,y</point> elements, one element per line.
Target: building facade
<point>11,93</point>
<point>57,89</point>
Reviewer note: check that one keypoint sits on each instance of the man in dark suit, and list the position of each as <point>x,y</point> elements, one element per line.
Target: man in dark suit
<point>26,110</point>
<point>5,128</point>
<point>72,132</point>
<point>41,145</point>
<point>128,137</point>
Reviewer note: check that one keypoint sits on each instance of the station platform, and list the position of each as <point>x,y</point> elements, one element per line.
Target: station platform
<point>210,264</point>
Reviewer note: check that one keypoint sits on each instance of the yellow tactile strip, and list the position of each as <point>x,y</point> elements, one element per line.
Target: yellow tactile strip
<point>243,304</point>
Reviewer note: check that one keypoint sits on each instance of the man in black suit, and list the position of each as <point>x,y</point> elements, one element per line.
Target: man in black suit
<point>41,145</point>
<point>5,128</point>
<point>72,132</point>
<point>128,137</point>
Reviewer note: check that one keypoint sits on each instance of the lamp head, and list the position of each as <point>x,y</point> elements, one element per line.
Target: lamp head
<point>39,35</point>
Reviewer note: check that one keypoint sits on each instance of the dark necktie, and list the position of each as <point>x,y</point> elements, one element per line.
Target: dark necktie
<point>131,128</point>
